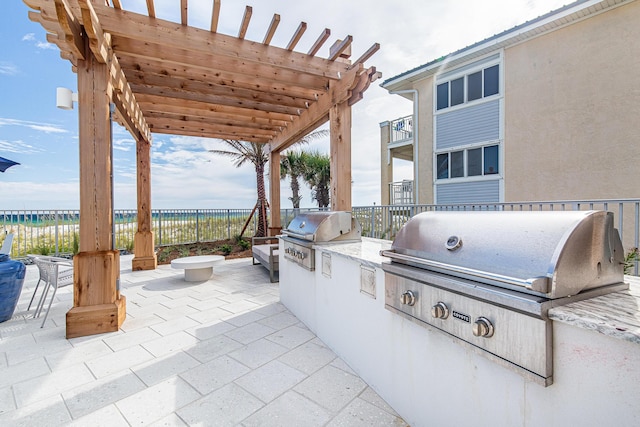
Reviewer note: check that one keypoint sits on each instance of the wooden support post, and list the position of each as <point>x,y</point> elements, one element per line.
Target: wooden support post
<point>340,149</point>
<point>97,304</point>
<point>274,189</point>
<point>144,247</point>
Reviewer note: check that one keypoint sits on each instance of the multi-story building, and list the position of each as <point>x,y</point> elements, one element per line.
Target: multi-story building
<point>548,110</point>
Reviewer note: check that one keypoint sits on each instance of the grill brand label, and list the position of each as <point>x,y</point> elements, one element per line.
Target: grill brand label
<point>461,316</point>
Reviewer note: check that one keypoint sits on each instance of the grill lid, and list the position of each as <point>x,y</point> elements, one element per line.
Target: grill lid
<point>552,254</point>
<point>323,226</point>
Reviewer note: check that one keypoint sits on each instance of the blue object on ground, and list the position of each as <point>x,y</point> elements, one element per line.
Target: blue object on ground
<point>12,275</point>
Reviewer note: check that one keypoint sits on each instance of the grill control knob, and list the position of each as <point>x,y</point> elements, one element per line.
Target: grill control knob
<point>483,327</point>
<point>440,310</point>
<point>408,298</point>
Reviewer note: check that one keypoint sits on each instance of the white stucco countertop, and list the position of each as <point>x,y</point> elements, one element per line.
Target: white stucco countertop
<point>616,314</point>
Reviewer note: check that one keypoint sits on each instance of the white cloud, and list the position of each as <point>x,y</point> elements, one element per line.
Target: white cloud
<point>18,147</point>
<point>46,45</point>
<point>8,69</point>
<point>42,127</point>
<point>31,37</point>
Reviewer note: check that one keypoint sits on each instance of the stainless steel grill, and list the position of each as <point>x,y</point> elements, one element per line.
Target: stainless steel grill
<point>489,278</point>
<point>311,228</point>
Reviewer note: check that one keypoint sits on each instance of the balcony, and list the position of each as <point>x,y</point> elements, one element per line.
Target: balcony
<point>401,193</point>
<point>402,130</point>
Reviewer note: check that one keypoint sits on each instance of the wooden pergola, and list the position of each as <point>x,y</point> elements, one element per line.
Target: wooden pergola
<point>172,78</point>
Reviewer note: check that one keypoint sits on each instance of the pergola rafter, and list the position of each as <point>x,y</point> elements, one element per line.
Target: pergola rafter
<point>171,78</point>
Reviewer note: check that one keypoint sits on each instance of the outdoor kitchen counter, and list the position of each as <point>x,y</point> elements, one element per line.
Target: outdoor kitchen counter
<point>422,373</point>
<point>366,252</point>
<point>616,315</point>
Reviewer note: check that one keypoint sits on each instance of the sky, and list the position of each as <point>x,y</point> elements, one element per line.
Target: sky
<point>184,175</point>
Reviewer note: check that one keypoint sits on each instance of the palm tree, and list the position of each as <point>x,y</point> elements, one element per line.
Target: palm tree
<point>293,165</point>
<point>318,176</point>
<point>242,152</point>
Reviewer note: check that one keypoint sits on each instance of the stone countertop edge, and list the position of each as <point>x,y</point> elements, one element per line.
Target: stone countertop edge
<point>616,314</point>
<point>366,252</point>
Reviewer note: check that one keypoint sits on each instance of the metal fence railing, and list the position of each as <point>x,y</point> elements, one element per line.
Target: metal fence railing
<point>56,231</point>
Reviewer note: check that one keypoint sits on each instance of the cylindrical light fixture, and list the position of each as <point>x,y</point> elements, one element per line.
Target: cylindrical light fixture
<point>65,98</point>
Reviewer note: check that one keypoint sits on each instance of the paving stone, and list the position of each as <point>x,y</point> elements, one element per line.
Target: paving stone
<point>19,372</point>
<point>258,353</point>
<point>291,337</point>
<point>156,402</point>
<point>170,343</point>
<point>249,333</point>
<point>331,388</point>
<point>109,416</point>
<point>308,358</point>
<point>213,348</point>
<point>119,361</point>
<point>132,338</point>
<point>271,380</point>
<point>45,412</point>
<point>39,388</point>
<point>290,409</point>
<point>161,368</point>
<point>214,374</point>
<point>94,396</point>
<point>227,406</point>
<point>360,413</point>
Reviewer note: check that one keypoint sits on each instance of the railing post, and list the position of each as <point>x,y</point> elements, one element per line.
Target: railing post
<point>228,224</point>
<point>373,230</point>
<point>635,237</point>
<point>197,226</point>
<point>160,226</point>
<point>56,232</point>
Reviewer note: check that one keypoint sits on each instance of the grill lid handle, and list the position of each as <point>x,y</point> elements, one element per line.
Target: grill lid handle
<point>307,236</point>
<point>537,284</point>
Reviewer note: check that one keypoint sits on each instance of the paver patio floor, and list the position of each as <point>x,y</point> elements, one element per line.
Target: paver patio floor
<point>220,352</point>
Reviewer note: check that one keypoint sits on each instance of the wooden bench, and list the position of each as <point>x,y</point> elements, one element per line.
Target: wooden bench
<point>265,252</point>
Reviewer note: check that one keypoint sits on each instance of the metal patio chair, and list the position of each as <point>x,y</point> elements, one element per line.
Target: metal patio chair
<point>54,272</point>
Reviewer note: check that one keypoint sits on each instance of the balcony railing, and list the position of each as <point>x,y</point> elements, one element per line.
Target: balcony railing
<point>56,231</point>
<point>401,193</point>
<point>401,129</point>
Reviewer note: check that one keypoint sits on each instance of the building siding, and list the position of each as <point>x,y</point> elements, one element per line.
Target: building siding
<point>468,192</point>
<point>469,125</point>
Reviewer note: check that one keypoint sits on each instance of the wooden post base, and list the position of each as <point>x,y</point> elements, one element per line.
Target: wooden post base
<point>96,319</point>
<point>98,306</point>
<point>144,263</point>
<point>145,256</point>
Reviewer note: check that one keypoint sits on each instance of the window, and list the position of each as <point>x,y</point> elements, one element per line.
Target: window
<point>491,160</point>
<point>443,95</point>
<point>474,86</point>
<point>491,81</point>
<point>457,91</point>
<point>443,166</point>
<point>477,85</point>
<point>457,164</point>
<point>466,163</point>
<point>474,162</point>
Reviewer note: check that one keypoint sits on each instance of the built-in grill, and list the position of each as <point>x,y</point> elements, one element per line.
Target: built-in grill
<point>489,278</point>
<point>324,227</point>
